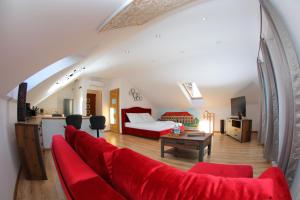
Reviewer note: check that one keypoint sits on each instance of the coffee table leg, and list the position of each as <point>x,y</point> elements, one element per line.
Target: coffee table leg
<point>209,147</point>
<point>201,153</point>
<point>162,149</point>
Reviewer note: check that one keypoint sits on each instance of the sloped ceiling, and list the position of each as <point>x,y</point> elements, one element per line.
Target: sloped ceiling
<point>35,34</point>
<point>213,43</point>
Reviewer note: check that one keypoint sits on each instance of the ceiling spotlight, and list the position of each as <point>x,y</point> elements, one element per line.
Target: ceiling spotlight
<point>203,18</point>
<point>158,35</point>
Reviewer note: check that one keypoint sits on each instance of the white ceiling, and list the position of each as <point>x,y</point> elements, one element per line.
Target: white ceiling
<point>35,34</point>
<point>218,53</point>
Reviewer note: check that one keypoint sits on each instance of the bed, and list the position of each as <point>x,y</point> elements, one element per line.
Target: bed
<point>149,129</point>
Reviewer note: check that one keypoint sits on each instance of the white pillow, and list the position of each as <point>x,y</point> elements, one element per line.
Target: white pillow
<point>147,117</point>
<point>134,117</point>
<point>139,117</point>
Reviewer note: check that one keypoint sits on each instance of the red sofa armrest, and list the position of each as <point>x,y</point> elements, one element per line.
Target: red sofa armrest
<point>79,181</point>
<point>280,184</point>
<point>223,170</point>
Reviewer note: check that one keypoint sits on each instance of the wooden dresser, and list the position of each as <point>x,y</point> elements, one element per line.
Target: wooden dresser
<point>31,149</point>
<point>239,129</point>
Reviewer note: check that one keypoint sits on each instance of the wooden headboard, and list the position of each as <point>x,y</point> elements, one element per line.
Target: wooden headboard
<point>132,110</point>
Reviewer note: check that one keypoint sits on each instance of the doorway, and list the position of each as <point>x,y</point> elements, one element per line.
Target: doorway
<point>114,112</point>
<point>94,102</point>
<point>90,104</point>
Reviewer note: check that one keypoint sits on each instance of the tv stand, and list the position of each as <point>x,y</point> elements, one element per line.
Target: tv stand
<point>239,129</point>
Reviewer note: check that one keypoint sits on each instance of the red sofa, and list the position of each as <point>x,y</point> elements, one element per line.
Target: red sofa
<point>91,168</point>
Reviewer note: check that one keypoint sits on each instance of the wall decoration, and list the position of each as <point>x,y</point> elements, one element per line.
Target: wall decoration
<point>187,119</point>
<point>135,94</point>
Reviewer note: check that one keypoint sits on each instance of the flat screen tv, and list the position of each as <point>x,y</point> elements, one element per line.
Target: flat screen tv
<point>238,105</point>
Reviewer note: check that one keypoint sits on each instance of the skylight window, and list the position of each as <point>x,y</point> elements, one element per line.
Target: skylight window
<point>192,90</point>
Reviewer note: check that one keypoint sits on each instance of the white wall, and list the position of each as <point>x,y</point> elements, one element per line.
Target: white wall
<point>126,101</point>
<point>289,13</point>
<point>54,103</point>
<point>79,89</point>
<point>9,162</point>
<point>224,112</point>
<point>220,113</point>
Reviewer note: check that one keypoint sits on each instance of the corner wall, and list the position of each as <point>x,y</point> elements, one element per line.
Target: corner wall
<point>9,161</point>
<point>54,103</point>
<point>224,112</point>
<point>126,101</point>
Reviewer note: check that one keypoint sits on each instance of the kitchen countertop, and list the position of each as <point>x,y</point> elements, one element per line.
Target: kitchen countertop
<point>50,117</point>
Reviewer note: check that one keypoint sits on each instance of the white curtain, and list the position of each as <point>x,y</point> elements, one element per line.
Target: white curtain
<point>269,135</point>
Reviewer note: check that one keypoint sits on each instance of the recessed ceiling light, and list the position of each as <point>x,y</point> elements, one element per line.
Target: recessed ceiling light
<point>181,52</point>
<point>219,42</point>
<point>203,18</point>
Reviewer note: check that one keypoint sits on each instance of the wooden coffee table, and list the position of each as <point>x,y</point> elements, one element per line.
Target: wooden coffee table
<point>183,141</point>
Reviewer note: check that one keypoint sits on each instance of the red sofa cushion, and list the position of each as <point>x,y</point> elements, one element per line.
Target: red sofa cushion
<point>82,182</point>
<point>138,177</point>
<point>129,170</point>
<point>280,185</point>
<point>70,134</point>
<point>91,151</point>
<point>223,170</point>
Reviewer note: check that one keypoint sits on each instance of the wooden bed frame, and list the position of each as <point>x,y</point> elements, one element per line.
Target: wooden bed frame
<point>140,132</point>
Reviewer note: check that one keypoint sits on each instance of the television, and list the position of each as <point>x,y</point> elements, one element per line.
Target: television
<point>238,105</point>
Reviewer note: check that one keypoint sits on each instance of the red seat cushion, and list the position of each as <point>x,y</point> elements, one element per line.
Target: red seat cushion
<point>170,183</point>
<point>82,182</point>
<point>280,185</point>
<point>224,170</point>
<point>70,134</point>
<point>91,151</point>
<point>138,177</point>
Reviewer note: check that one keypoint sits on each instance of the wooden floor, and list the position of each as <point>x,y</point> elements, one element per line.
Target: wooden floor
<point>224,150</point>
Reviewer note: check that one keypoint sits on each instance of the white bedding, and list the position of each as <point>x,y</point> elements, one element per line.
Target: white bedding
<point>152,126</point>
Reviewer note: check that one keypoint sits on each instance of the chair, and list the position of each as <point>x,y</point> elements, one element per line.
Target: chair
<point>74,120</point>
<point>97,123</point>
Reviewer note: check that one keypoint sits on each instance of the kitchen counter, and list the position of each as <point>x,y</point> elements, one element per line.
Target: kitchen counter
<point>51,117</point>
<point>55,126</point>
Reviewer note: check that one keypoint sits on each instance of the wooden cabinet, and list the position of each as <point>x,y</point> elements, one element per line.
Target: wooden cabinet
<point>30,146</point>
<point>239,129</point>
